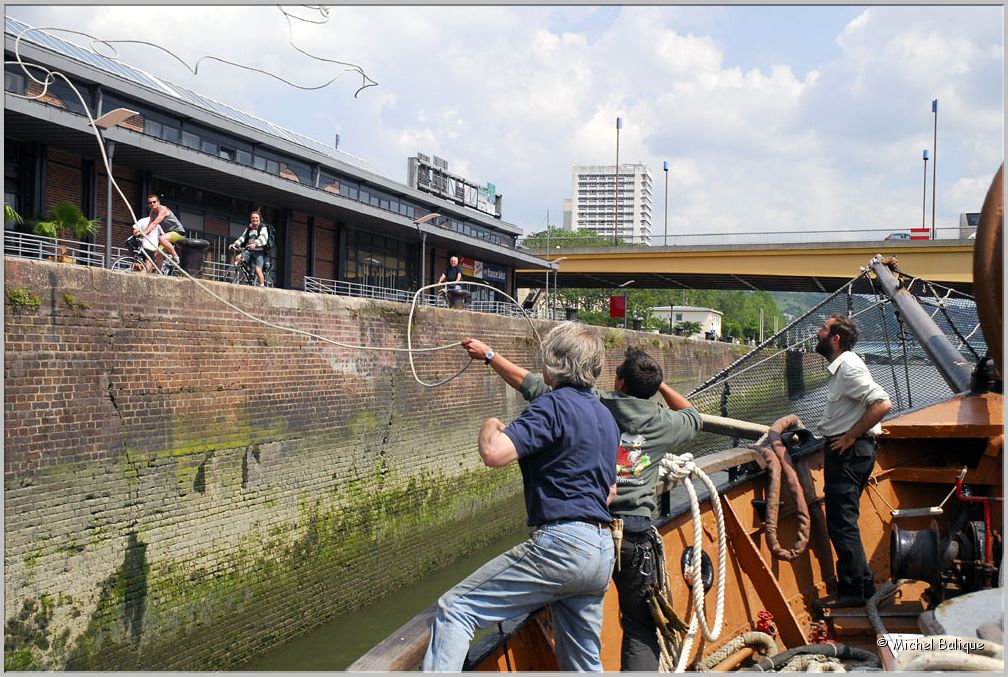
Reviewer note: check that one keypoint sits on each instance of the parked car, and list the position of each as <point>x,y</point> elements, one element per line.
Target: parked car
<point>898,236</point>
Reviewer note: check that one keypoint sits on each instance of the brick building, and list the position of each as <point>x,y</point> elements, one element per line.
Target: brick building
<point>212,164</point>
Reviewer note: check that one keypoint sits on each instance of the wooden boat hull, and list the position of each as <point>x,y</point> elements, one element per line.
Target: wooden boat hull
<point>920,456</point>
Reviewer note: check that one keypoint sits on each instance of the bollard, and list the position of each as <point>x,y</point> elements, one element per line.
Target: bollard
<point>794,369</point>
<point>571,314</point>
<point>458,298</point>
<point>191,255</point>
<point>638,323</point>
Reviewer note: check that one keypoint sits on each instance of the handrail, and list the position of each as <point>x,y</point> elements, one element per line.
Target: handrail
<point>30,246</point>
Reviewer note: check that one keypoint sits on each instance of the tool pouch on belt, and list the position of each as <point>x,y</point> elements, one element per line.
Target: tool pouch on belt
<point>616,527</point>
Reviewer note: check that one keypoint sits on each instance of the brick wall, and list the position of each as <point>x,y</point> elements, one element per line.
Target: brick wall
<point>63,178</point>
<point>185,487</point>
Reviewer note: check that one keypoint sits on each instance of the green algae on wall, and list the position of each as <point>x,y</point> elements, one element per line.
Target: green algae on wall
<point>328,544</point>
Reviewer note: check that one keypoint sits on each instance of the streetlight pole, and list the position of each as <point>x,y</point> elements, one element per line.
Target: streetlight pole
<point>626,302</point>
<point>619,126</point>
<point>924,205</point>
<point>934,166</point>
<point>110,119</point>
<point>665,167</point>
<point>109,151</point>
<point>556,279</point>
<point>423,244</point>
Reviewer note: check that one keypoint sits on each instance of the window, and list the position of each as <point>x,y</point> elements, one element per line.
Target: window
<point>208,147</point>
<point>169,133</point>
<point>190,140</point>
<point>152,127</point>
<point>244,157</point>
<point>227,153</point>
<point>259,163</point>
<point>15,83</point>
<point>678,317</point>
<point>272,166</point>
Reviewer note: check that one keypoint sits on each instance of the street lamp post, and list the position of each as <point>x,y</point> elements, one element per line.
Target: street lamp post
<point>626,301</point>
<point>556,279</point>
<point>934,165</point>
<point>924,204</point>
<point>665,167</point>
<point>423,243</point>
<point>110,119</point>
<point>619,126</point>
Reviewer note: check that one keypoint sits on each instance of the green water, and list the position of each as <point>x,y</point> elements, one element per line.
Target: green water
<point>339,643</point>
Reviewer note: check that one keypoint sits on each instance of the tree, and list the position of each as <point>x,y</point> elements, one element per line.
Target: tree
<point>687,328</point>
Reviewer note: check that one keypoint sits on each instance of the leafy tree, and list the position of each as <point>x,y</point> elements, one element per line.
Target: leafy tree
<point>687,328</point>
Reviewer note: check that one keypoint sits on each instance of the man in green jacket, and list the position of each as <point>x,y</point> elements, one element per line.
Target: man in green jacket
<point>648,432</point>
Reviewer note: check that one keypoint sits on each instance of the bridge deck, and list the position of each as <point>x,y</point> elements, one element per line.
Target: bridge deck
<point>822,267</point>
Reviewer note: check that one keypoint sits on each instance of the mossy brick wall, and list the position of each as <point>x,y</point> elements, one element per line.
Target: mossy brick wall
<point>185,487</point>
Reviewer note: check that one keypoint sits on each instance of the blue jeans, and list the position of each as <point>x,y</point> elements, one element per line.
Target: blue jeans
<point>565,563</point>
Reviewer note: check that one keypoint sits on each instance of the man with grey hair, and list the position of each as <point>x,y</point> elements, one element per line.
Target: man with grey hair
<point>565,443</point>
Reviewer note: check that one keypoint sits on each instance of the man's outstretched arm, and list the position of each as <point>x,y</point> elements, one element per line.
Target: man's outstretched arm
<point>512,374</point>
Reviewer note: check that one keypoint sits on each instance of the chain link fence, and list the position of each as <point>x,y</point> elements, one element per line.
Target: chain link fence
<point>784,375</point>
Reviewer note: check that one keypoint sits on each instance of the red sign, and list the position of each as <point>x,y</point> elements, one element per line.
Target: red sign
<point>617,306</point>
<point>920,233</point>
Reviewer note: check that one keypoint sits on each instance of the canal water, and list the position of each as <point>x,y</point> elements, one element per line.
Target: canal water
<point>337,644</point>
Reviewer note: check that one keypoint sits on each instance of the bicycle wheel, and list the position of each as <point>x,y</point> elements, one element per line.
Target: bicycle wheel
<point>240,275</point>
<point>125,264</point>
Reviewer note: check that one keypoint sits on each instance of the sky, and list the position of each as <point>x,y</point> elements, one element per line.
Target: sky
<point>772,118</point>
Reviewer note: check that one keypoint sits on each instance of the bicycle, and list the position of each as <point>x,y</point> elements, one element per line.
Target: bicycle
<point>136,262</point>
<point>243,272</point>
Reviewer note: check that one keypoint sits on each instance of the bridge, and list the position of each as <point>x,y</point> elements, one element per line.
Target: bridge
<point>799,266</point>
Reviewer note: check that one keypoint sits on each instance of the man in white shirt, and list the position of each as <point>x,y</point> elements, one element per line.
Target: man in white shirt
<point>148,240</point>
<point>851,424</point>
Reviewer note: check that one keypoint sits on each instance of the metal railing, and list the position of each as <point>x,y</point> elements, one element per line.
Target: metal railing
<point>318,285</point>
<point>946,234</point>
<point>28,246</point>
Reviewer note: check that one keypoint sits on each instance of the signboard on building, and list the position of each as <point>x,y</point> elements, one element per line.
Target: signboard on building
<point>468,266</point>
<point>495,275</point>
<point>431,174</point>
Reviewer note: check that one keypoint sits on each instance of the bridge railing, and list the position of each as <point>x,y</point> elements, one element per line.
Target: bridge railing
<point>948,234</point>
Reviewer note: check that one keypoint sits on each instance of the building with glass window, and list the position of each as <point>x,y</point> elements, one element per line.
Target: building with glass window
<point>593,201</point>
<point>336,218</point>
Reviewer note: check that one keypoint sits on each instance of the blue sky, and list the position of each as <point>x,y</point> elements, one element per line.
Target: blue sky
<point>772,117</point>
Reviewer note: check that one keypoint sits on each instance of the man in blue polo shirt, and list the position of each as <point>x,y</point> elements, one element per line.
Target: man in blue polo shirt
<point>565,443</point>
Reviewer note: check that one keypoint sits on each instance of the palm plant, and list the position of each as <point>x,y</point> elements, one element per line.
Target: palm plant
<point>10,214</point>
<point>66,219</point>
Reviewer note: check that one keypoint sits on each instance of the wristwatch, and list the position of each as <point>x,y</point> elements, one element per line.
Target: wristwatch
<point>489,356</point>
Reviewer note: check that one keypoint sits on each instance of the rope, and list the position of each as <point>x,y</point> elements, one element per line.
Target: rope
<point>813,663</point>
<point>760,642</point>
<point>944,653</point>
<point>51,76</point>
<point>682,467</point>
<point>778,461</point>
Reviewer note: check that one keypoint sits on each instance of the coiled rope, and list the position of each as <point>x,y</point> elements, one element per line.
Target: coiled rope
<point>760,642</point>
<point>682,467</point>
<point>778,463</point>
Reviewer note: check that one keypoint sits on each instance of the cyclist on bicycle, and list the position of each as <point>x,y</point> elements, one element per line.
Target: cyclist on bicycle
<point>172,228</point>
<point>147,240</point>
<point>254,240</point>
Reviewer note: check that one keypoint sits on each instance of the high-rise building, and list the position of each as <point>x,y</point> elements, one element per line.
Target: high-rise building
<point>594,201</point>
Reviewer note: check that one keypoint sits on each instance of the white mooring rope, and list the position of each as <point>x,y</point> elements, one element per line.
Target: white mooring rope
<point>682,467</point>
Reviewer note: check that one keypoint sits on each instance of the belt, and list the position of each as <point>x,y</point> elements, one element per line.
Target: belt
<point>872,438</point>
<point>594,523</point>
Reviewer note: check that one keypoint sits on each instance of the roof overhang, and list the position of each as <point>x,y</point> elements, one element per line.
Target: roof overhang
<point>34,121</point>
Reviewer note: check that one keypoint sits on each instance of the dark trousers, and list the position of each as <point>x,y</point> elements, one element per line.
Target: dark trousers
<point>633,581</point>
<point>846,477</point>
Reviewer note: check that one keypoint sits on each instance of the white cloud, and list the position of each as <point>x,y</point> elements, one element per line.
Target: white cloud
<point>517,95</point>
